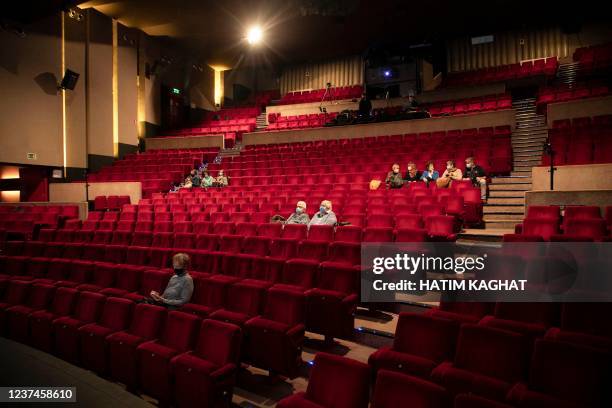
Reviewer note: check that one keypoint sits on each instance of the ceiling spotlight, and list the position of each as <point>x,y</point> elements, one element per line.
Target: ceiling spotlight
<point>254,35</point>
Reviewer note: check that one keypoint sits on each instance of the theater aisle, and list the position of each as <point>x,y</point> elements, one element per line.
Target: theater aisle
<point>26,366</point>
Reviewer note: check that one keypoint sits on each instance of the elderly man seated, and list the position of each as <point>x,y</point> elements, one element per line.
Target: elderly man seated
<point>299,216</point>
<point>325,216</point>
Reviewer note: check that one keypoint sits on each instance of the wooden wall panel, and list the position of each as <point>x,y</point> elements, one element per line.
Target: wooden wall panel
<point>340,72</point>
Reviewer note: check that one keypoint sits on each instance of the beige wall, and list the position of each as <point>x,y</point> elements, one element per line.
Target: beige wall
<point>75,45</point>
<point>507,48</point>
<point>127,71</point>
<point>185,142</point>
<point>340,72</point>
<point>31,106</point>
<point>602,198</point>
<point>579,108</point>
<point>99,84</point>
<point>505,117</point>
<point>573,177</point>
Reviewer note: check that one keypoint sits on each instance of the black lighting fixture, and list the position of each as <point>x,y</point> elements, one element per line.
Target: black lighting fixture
<point>69,80</point>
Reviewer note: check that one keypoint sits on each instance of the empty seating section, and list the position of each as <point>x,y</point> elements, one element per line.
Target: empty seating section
<point>581,140</point>
<point>316,95</point>
<point>563,93</point>
<point>21,221</point>
<point>278,122</point>
<point>231,122</point>
<point>155,169</point>
<point>575,223</point>
<point>542,66</point>
<point>471,105</point>
<point>594,59</point>
<point>357,161</point>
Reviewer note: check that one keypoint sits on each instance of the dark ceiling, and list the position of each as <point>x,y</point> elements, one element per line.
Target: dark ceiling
<point>301,30</point>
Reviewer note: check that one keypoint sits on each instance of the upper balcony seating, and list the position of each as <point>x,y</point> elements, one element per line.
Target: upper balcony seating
<point>594,59</point>
<point>581,90</point>
<point>316,95</point>
<point>542,66</point>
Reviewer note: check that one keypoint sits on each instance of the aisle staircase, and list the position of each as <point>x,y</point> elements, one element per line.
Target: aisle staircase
<point>261,121</point>
<point>506,204</point>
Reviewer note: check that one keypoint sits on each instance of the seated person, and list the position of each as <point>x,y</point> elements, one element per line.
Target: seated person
<point>430,174</point>
<point>196,178</point>
<point>325,216</point>
<point>221,180</point>
<point>451,173</point>
<point>412,174</point>
<point>187,183</point>
<point>175,188</point>
<point>179,288</point>
<point>477,175</point>
<point>299,216</point>
<point>394,177</point>
<point>207,180</point>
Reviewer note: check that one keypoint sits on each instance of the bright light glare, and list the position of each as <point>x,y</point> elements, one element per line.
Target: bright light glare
<point>254,35</point>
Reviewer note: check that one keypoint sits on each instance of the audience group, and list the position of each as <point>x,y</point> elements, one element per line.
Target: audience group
<point>200,178</point>
<point>472,172</point>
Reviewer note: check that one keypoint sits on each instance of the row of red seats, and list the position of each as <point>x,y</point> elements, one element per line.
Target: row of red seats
<point>564,94</point>
<point>470,105</point>
<point>112,202</point>
<point>542,66</point>
<point>362,228</point>
<point>578,223</point>
<point>145,347</point>
<point>99,267</point>
<point>21,221</point>
<point>277,117</point>
<point>342,92</point>
<point>508,352</point>
<point>581,141</point>
<point>282,123</point>
<point>594,58</point>
<point>398,139</point>
<point>264,98</point>
<point>142,346</point>
<point>228,113</point>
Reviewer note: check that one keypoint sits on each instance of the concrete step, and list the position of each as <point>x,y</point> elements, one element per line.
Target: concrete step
<point>506,201</point>
<point>504,209</point>
<point>512,180</point>
<point>506,194</point>
<point>501,224</point>
<point>511,187</point>
<point>523,168</point>
<point>503,217</point>
<point>530,143</point>
<point>532,162</point>
<point>526,173</point>
<point>535,154</point>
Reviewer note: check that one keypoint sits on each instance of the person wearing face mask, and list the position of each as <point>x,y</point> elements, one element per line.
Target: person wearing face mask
<point>207,180</point>
<point>451,173</point>
<point>299,216</point>
<point>221,180</point>
<point>477,176</point>
<point>412,174</point>
<point>325,216</point>
<point>394,177</point>
<point>430,174</point>
<point>179,288</point>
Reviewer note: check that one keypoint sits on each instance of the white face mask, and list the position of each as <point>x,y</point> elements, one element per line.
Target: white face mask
<point>468,165</point>
<point>299,210</point>
<point>449,167</point>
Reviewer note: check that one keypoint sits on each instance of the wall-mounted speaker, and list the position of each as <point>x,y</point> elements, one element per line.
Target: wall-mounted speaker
<point>69,80</point>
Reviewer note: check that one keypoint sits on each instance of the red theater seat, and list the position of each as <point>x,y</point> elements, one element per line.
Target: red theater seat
<point>393,390</point>
<point>146,325</point>
<point>244,301</point>
<point>335,382</point>
<point>564,374</point>
<point>38,298</point>
<point>275,337</point>
<point>488,362</point>
<point>93,350</point>
<point>209,295</point>
<point>205,376</point>
<point>421,342</point>
<point>155,356</point>
<point>41,329</point>
<point>65,329</point>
